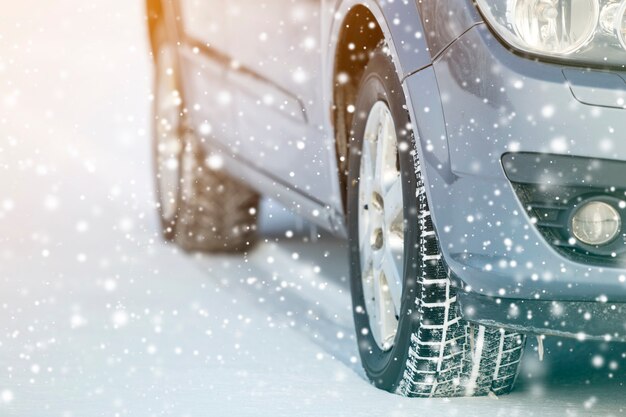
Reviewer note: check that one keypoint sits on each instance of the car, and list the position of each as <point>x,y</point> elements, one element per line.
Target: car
<point>470,152</point>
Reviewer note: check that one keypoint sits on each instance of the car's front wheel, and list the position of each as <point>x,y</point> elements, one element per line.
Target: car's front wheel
<point>411,337</point>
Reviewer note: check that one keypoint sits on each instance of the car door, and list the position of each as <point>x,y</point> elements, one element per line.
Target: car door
<point>204,42</point>
<point>279,108</point>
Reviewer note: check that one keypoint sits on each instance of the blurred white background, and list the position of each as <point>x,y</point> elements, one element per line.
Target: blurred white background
<point>99,318</point>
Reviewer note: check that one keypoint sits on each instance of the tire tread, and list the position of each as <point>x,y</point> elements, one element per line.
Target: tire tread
<point>218,213</point>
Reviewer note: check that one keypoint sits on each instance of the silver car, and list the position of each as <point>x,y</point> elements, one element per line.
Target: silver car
<point>470,151</point>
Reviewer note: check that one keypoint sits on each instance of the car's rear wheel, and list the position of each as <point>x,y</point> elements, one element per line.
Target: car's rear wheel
<point>411,337</point>
<point>201,208</point>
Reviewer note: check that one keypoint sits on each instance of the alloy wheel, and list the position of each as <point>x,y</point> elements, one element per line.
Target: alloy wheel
<point>381,225</point>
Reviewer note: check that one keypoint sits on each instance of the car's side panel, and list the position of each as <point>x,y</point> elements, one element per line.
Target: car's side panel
<point>280,109</point>
<point>202,26</point>
<point>211,80</point>
<point>214,78</point>
<point>206,21</point>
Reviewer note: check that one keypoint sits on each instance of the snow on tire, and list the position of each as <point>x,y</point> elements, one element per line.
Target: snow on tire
<point>449,357</point>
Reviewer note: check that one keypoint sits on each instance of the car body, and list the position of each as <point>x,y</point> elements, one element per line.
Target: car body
<point>490,121</point>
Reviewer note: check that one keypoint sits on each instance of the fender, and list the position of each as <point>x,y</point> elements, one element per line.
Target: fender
<point>402,29</point>
<point>413,55</point>
<point>401,25</point>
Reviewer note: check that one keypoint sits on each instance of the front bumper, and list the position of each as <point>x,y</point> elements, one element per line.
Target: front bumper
<point>495,102</point>
<point>573,319</point>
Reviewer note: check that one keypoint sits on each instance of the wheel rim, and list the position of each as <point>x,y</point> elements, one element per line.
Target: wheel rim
<point>168,131</point>
<point>381,225</point>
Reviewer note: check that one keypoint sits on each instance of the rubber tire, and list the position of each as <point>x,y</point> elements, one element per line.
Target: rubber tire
<point>214,212</point>
<point>435,353</point>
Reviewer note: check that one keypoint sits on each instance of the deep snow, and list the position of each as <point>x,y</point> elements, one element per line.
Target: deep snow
<point>99,318</point>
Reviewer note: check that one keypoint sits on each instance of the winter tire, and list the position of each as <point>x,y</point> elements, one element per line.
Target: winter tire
<point>201,208</point>
<point>411,337</point>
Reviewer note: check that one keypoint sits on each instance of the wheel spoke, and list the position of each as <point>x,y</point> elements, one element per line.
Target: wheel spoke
<point>375,314</point>
<point>379,169</point>
<point>366,172</point>
<point>387,320</point>
<point>366,249</point>
<point>394,207</point>
<point>389,153</point>
<point>392,265</point>
<point>370,295</point>
<point>365,195</point>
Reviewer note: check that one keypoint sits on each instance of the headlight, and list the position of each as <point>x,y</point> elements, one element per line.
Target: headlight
<point>590,31</point>
<point>596,223</point>
<point>620,24</point>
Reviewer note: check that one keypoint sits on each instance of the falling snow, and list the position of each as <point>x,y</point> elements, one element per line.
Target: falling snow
<point>99,317</point>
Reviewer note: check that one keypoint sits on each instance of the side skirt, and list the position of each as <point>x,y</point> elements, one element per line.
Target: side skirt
<point>294,199</point>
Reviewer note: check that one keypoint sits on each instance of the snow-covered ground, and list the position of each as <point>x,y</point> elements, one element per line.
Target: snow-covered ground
<point>99,318</point>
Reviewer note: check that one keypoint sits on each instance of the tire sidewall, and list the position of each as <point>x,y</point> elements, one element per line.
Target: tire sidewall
<point>381,83</point>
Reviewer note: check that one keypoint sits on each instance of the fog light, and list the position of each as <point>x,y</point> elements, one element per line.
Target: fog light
<point>596,223</point>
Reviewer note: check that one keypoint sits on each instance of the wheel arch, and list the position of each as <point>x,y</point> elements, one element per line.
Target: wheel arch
<point>398,24</point>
